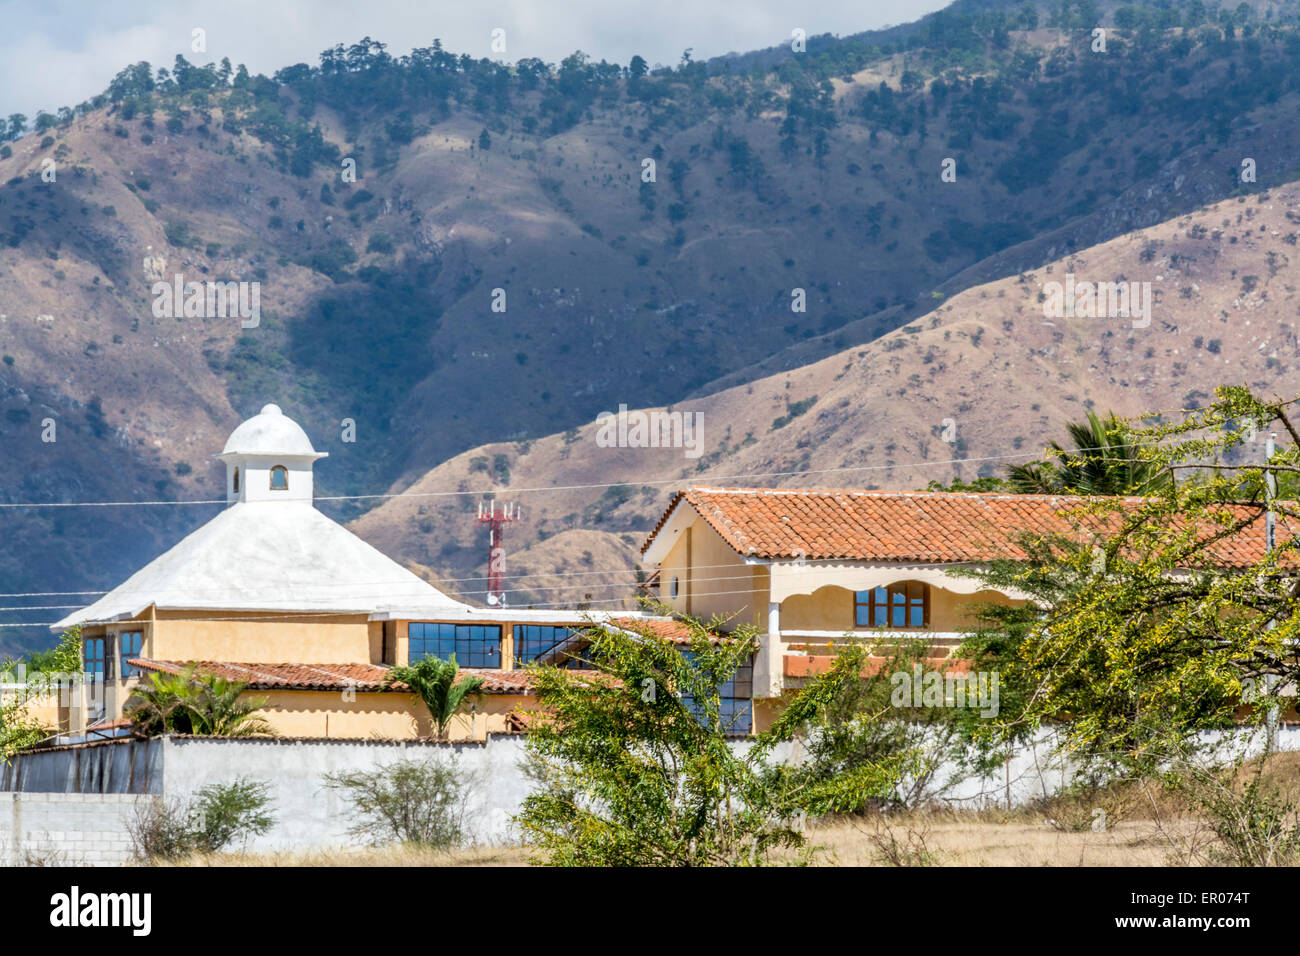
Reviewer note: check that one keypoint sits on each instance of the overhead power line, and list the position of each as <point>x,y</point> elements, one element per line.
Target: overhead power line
<point>696,479</point>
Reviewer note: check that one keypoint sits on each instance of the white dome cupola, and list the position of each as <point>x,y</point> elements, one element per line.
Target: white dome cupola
<point>269,458</point>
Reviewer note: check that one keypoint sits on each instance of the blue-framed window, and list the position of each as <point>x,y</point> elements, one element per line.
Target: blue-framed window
<point>906,604</point>
<point>534,640</point>
<point>475,645</point>
<point>129,644</point>
<point>95,657</point>
<point>735,699</point>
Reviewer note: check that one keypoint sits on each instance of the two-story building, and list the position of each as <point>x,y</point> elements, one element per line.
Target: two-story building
<point>813,568</point>
<point>274,593</point>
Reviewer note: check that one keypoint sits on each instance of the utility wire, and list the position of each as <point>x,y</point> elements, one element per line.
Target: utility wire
<point>695,480</point>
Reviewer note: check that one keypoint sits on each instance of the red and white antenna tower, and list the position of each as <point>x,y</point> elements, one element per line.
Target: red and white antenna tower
<point>496,522</point>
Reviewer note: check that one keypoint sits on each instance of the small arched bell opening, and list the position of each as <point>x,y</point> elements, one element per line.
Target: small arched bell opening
<point>234,482</point>
<point>279,478</point>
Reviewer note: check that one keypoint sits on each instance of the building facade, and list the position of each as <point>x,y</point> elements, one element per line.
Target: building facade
<point>274,593</point>
<point>813,569</point>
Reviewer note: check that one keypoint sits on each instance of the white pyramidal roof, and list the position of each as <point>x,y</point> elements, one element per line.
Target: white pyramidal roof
<point>269,556</point>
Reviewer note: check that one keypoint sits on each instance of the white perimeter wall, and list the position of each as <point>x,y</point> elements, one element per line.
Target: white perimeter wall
<point>308,815</point>
<point>92,828</point>
<point>65,829</point>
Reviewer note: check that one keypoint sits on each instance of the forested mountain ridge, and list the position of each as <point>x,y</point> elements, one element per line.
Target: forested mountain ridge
<point>820,173</point>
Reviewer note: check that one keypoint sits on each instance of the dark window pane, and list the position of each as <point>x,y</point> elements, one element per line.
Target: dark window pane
<point>96,661</point>
<point>735,708</point>
<point>533,641</point>
<point>474,645</point>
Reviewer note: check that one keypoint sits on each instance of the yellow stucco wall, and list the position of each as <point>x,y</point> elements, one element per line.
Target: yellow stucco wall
<point>263,638</point>
<point>42,708</point>
<point>307,639</point>
<point>832,609</point>
<point>827,609</point>
<point>298,713</point>
<point>950,611</point>
<point>713,579</point>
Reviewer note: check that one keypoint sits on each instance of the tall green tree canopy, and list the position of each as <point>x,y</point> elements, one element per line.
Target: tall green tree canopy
<point>1103,461</point>
<point>1161,616</point>
<point>636,763</point>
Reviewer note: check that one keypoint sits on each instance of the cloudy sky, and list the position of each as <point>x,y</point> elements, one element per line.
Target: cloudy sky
<point>59,52</point>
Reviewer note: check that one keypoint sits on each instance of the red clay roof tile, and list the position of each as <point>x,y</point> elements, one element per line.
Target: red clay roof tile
<point>919,527</point>
<point>328,677</point>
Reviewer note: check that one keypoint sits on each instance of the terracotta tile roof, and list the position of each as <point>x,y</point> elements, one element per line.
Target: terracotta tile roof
<point>519,721</point>
<point>109,724</point>
<point>666,629</point>
<point>915,527</point>
<point>329,677</point>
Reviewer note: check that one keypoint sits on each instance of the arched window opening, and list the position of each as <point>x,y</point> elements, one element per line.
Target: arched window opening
<point>279,478</point>
<point>905,605</point>
<point>235,482</point>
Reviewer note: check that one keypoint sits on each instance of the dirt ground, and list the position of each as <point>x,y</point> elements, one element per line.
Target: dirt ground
<point>908,840</point>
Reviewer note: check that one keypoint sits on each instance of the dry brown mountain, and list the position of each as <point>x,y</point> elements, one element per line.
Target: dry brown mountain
<point>1226,308</point>
<point>376,296</point>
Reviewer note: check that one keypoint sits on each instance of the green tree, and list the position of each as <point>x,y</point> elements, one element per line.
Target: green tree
<point>434,681</point>
<point>1158,618</point>
<point>63,658</point>
<point>1104,461</point>
<point>866,724</point>
<point>208,822</point>
<point>634,765</point>
<point>193,703</point>
<point>424,802</point>
<point>37,674</point>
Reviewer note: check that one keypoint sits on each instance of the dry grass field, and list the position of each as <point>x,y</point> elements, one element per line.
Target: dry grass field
<point>950,840</point>
<point>1144,827</point>
<point>972,840</point>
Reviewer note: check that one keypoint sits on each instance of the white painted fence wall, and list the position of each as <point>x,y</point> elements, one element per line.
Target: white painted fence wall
<point>42,818</point>
<point>309,815</point>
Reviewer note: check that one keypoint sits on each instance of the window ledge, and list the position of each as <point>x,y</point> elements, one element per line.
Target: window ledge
<point>873,632</point>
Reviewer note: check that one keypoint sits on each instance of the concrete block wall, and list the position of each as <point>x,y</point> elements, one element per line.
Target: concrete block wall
<point>66,829</point>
